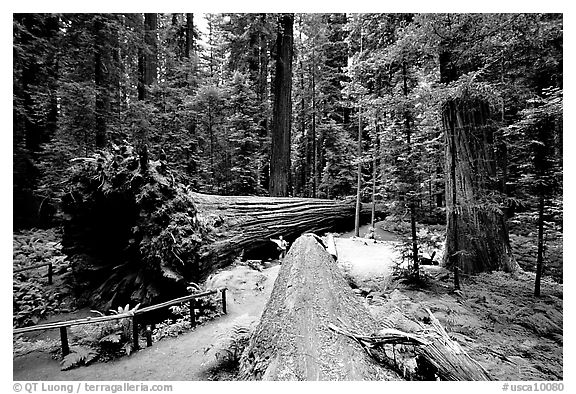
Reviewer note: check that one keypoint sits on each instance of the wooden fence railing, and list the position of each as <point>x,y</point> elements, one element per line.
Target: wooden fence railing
<point>50,270</point>
<point>63,325</point>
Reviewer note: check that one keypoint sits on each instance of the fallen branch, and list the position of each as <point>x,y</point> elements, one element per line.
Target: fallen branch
<point>433,348</point>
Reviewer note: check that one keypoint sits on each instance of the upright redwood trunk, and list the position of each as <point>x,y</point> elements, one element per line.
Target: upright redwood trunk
<point>148,56</point>
<point>280,149</point>
<point>477,234</point>
<point>151,55</point>
<point>189,50</point>
<point>102,64</point>
<point>314,170</point>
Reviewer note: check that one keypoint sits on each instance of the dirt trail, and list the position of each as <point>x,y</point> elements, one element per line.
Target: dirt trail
<point>365,262</point>
<point>181,358</point>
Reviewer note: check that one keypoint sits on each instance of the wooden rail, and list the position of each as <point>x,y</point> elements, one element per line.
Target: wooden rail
<point>50,270</point>
<point>63,325</point>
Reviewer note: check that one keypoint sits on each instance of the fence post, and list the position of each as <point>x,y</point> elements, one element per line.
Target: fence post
<point>192,313</point>
<point>64,340</point>
<point>50,273</point>
<point>135,345</point>
<point>223,290</point>
<point>148,336</point>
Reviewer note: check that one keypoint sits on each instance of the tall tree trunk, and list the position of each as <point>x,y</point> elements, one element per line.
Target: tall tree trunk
<point>53,63</point>
<point>281,115</point>
<point>358,175</point>
<point>411,177</point>
<point>264,58</point>
<point>306,140</point>
<point>314,169</point>
<point>151,54</point>
<point>189,49</point>
<point>476,232</point>
<point>141,61</point>
<point>359,158</point>
<point>102,67</point>
<point>148,68</point>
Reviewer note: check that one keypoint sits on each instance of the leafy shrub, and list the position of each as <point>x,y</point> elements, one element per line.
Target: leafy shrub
<point>107,339</point>
<point>32,298</point>
<point>232,342</point>
<point>208,308</point>
<point>79,355</point>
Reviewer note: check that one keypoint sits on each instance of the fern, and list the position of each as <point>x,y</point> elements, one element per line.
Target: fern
<point>231,343</point>
<point>112,338</point>
<point>78,355</point>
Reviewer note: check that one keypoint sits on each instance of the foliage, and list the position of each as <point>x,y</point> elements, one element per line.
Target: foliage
<point>156,229</point>
<point>207,115</point>
<point>33,298</point>
<point>231,343</point>
<point>207,309</point>
<point>79,355</point>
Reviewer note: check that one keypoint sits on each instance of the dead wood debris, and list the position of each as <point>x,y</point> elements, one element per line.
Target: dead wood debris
<point>432,354</point>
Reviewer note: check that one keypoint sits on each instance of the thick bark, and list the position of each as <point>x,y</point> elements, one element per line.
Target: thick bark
<point>282,111</point>
<point>477,233</point>
<point>293,341</point>
<point>246,223</point>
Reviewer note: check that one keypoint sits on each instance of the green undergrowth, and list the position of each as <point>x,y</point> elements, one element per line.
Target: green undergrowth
<point>33,298</point>
<point>495,318</point>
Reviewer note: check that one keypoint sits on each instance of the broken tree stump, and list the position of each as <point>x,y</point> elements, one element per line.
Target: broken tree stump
<point>293,340</point>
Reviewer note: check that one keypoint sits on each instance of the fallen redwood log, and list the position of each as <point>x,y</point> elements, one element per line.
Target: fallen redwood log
<point>314,328</point>
<point>135,235</point>
<point>245,223</point>
<point>293,340</point>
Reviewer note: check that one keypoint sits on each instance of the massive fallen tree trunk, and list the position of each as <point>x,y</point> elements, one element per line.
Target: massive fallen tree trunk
<point>315,328</point>
<point>245,223</point>
<point>134,234</point>
<point>293,340</point>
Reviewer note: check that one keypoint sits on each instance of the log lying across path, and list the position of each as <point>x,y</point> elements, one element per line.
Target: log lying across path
<point>133,234</point>
<point>315,328</point>
<point>293,340</point>
<point>245,223</point>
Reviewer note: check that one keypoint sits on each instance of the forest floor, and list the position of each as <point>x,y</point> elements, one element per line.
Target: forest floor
<point>495,318</point>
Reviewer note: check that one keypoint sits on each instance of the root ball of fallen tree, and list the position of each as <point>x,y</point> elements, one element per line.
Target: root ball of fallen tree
<point>134,234</point>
